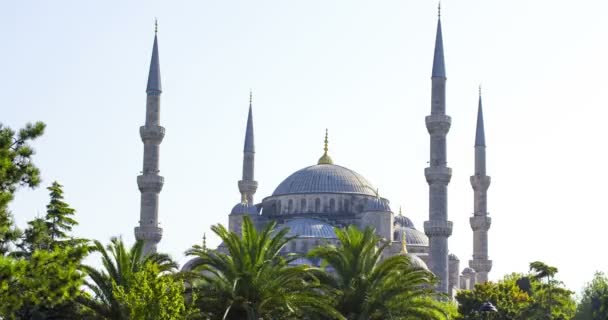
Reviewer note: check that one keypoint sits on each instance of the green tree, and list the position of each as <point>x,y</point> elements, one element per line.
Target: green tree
<point>370,287</point>
<point>54,230</point>
<point>537,295</point>
<point>253,281</point>
<point>120,266</point>
<point>40,286</point>
<point>506,295</point>
<point>151,295</point>
<point>16,169</point>
<point>594,300</point>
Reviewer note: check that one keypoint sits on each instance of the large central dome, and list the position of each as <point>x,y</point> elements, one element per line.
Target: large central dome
<point>325,178</point>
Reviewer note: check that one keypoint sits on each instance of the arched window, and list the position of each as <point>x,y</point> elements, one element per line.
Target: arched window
<point>317,205</point>
<point>303,205</point>
<point>346,205</point>
<point>290,206</point>
<point>332,205</point>
<point>279,208</point>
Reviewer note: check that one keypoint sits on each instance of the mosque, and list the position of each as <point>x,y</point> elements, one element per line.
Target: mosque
<point>314,200</point>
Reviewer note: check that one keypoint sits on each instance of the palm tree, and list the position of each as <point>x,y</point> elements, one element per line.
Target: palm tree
<point>119,265</point>
<point>253,281</point>
<point>370,287</point>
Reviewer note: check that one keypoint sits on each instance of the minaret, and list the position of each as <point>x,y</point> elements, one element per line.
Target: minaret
<point>149,182</point>
<point>438,175</point>
<point>247,185</point>
<point>480,222</point>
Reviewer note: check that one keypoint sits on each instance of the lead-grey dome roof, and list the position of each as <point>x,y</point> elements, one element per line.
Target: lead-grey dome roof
<point>325,178</point>
<point>244,208</point>
<point>378,204</point>
<point>412,236</point>
<point>309,228</point>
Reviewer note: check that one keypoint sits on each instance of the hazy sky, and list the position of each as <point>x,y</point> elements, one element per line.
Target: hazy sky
<point>361,69</point>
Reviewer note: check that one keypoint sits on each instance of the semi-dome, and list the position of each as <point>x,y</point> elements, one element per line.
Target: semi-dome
<point>244,208</point>
<point>416,262</point>
<point>403,221</point>
<point>309,228</point>
<point>412,236</point>
<point>378,204</point>
<point>325,178</point>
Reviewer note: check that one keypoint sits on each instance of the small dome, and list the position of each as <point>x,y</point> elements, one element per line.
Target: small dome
<point>452,256</point>
<point>244,208</point>
<point>403,221</point>
<point>378,204</point>
<point>412,236</point>
<point>325,178</point>
<point>309,228</point>
<point>416,262</point>
<point>468,271</point>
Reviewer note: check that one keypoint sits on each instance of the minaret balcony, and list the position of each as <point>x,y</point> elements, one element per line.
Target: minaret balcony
<point>248,186</point>
<point>482,223</point>
<point>438,228</point>
<point>481,265</point>
<point>148,233</point>
<point>438,124</point>
<point>150,182</point>
<point>441,175</point>
<point>154,134</point>
<point>480,183</point>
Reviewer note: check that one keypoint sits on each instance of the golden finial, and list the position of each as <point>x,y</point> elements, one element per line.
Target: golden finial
<point>155,25</point>
<point>325,158</point>
<point>403,242</point>
<point>400,211</point>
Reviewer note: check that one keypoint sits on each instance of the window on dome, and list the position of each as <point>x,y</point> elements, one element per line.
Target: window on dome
<point>317,205</point>
<point>303,205</point>
<point>332,205</point>
<point>290,206</point>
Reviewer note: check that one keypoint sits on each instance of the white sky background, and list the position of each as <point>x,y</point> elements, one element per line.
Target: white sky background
<point>361,69</point>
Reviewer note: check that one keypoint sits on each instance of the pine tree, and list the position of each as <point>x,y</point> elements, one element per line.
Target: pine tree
<point>16,169</point>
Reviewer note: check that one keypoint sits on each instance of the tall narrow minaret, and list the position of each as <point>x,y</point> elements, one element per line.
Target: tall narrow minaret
<point>480,222</point>
<point>247,185</point>
<point>438,175</point>
<point>150,183</point>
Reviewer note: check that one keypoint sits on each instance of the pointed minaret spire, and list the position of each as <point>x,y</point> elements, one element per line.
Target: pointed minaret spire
<point>438,60</point>
<point>150,183</point>
<point>438,175</point>
<point>249,143</point>
<point>154,86</point>
<point>247,185</point>
<point>480,136</point>
<point>480,221</point>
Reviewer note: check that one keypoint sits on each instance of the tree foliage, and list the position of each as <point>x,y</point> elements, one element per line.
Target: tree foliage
<point>253,281</point>
<point>594,300</point>
<point>150,295</point>
<point>370,287</point>
<point>16,169</point>
<point>537,295</point>
<point>120,267</point>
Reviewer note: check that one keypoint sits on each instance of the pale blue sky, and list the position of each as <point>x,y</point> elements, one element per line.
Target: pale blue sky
<point>361,69</point>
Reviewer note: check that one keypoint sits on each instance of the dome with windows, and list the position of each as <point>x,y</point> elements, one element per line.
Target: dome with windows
<point>309,228</point>
<point>325,178</point>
